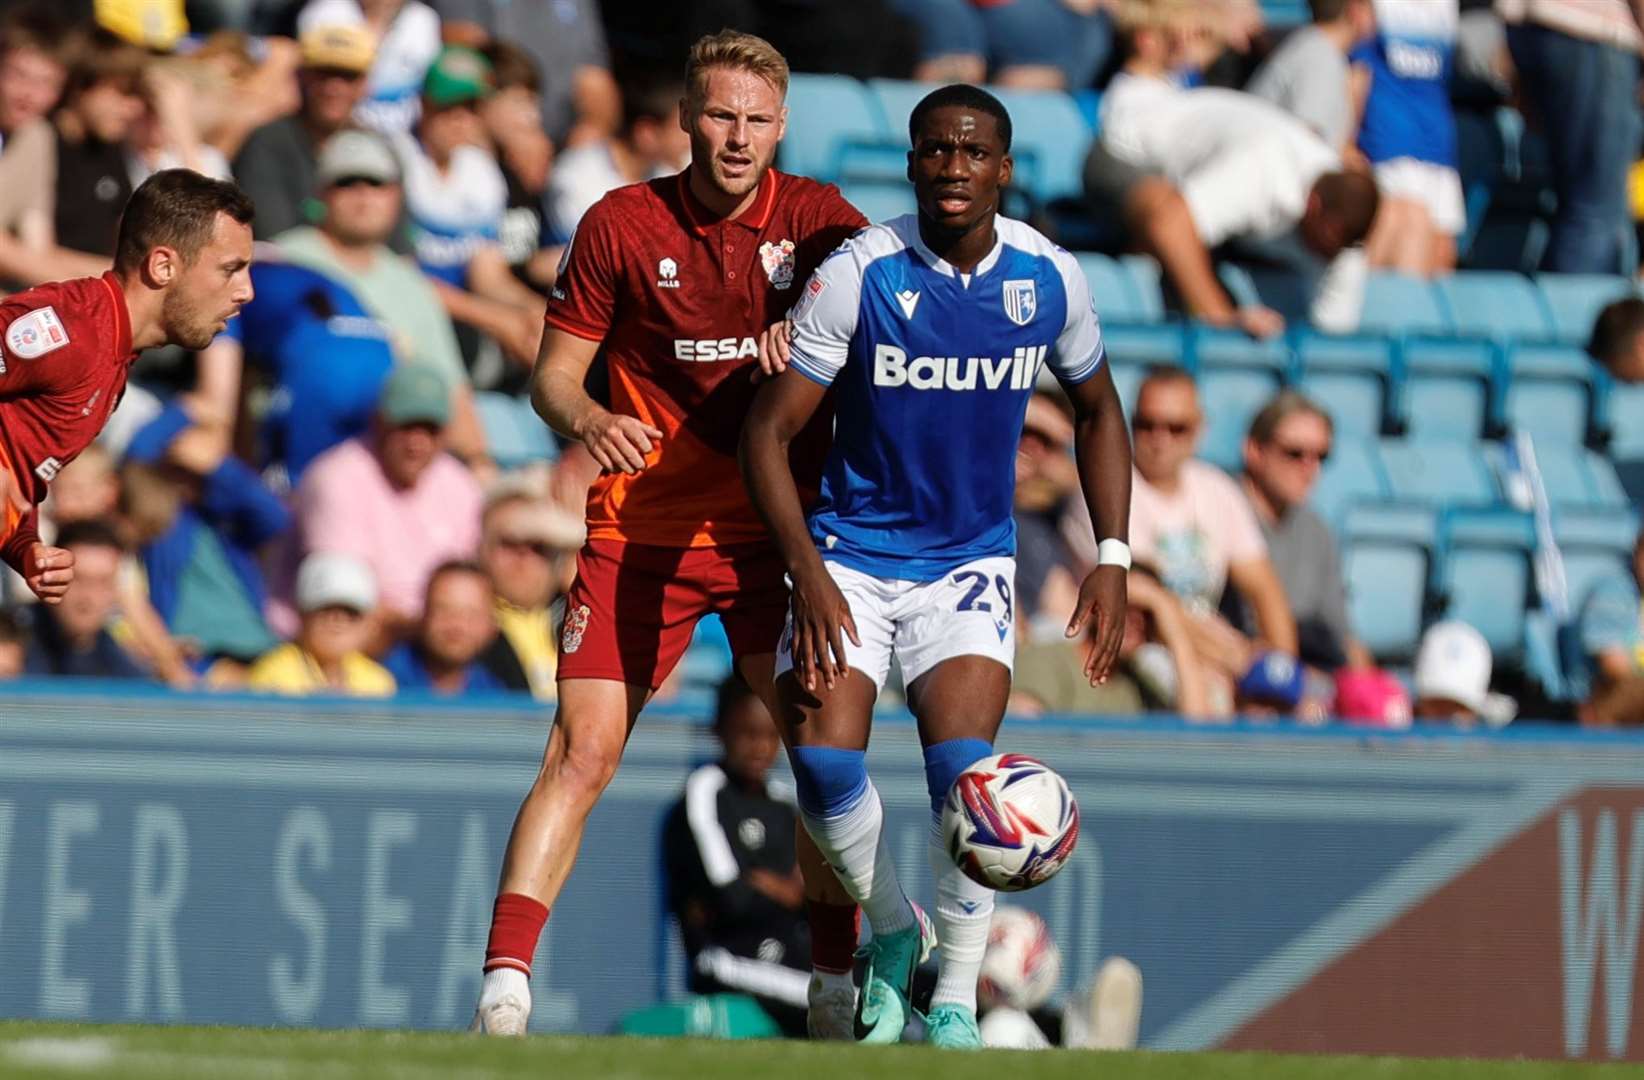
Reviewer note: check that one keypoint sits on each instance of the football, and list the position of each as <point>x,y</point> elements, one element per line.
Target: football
<point>1022,965</point>
<point>1010,822</point>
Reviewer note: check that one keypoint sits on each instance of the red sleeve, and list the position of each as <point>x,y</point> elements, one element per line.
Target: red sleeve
<point>830,221</point>
<point>25,536</point>
<point>583,300</point>
<point>19,374</point>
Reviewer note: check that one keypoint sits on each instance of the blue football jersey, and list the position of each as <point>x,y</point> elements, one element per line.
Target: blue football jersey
<point>1408,111</point>
<point>932,370</point>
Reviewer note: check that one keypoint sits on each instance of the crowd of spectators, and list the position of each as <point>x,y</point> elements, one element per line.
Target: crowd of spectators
<point>310,503</point>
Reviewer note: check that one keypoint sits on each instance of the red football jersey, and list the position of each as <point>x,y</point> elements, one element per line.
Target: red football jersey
<point>65,350</point>
<point>679,300</point>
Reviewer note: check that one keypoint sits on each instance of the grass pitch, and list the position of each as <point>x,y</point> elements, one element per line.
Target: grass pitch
<point>41,1051</point>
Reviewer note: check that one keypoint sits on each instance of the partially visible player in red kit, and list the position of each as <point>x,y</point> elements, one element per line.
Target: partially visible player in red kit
<point>675,279</point>
<point>181,271</point>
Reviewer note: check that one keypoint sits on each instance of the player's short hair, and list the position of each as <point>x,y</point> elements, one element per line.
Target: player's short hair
<point>176,208</point>
<point>1615,329</point>
<point>738,51</point>
<point>1281,407</point>
<point>91,532</point>
<point>729,697</point>
<point>964,96</point>
<point>1351,200</point>
<point>512,67</point>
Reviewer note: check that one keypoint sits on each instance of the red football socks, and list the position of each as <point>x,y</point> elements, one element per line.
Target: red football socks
<point>516,923</point>
<point>834,930</point>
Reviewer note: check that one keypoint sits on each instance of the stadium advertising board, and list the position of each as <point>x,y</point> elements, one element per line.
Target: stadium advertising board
<point>250,862</point>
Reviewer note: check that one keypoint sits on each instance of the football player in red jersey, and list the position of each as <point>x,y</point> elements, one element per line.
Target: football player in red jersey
<point>674,279</point>
<point>181,271</point>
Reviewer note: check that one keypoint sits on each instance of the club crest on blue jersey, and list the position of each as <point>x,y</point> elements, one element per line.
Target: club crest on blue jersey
<point>1021,301</point>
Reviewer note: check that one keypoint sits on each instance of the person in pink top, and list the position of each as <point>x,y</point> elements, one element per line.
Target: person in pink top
<point>393,497</point>
<point>1191,525</point>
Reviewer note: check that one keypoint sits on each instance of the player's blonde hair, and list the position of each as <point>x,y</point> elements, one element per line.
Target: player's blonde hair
<point>738,51</point>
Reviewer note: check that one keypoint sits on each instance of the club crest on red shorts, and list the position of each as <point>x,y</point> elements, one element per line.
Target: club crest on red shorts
<point>576,624</point>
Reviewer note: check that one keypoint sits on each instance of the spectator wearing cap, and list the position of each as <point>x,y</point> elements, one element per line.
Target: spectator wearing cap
<point>1610,626</point>
<point>1371,697</point>
<point>358,179</point>
<point>1452,678</point>
<point>73,637</point>
<point>1289,441</point>
<point>1274,686</point>
<point>407,33</point>
<point>456,198</point>
<point>527,548</point>
<point>566,39</point>
<point>278,165</point>
<point>335,597</point>
<point>203,524</point>
<point>155,25</point>
<point>393,498</point>
<point>458,624</point>
<point>1190,522</point>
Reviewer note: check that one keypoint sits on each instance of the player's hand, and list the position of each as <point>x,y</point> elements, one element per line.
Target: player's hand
<point>48,571</point>
<point>773,350</point>
<point>618,443</point>
<point>821,622</point>
<point>1259,322</point>
<point>1102,600</point>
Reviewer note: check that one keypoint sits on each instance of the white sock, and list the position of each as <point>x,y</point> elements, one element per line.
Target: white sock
<point>501,982</point>
<point>853,842</point>
<point>964,911</point>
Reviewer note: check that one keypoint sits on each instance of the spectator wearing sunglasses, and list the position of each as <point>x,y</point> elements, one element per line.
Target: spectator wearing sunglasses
<point>528,549</point>
<point>1191,523</point>
<point>1288,444</point>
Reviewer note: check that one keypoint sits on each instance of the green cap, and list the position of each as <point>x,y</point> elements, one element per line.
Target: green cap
<point>458,74</point>
<point>415,394</point>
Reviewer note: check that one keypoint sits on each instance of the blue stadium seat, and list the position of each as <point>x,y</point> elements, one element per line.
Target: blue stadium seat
<point>1449,389</point>
<point>1127,378</point>
<point>1282,13</point>
<point>1585,567</point>
<point>1624,409</point>
<point>1386,593</point>
<point>1231,396</point>
<point>1439,473</point>
<point>1048,130</point>
<point>1551,393</point>
<point>1489,589</point>
<point>880,201</point>
<point>1496,526</point>
<point>1214,346</point>
<point>1133,325</point>
<point>1604,528</point>
<point>1495,305</point>
<point>1112,290</point>
<point>1349,377</point>
<point>896,101</point>
<point>1411,523</point>
<point>1352,475</point>
<point>707,661</point>
<point>824,113</point>
<point>1395,304</point>
<point>1574,301</point>
<point>1576,478</point>
<point>514,434</point>
<point>1147,277</point>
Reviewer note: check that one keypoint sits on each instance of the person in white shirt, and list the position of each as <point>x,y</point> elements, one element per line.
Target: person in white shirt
<point>1188,170</point>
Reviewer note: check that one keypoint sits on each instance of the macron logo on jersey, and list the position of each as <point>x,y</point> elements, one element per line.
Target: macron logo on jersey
<point>1015,372</point>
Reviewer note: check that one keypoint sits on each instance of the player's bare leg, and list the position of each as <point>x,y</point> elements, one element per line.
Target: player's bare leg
<point>827,736</point>
<point>832,914</point>
<point>959,704</point>
<point>590,729</point>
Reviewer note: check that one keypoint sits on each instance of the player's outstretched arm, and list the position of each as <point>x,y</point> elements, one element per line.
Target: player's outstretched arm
<point>821,616</point>
<point>618,443</point>
<point>1102,446</point>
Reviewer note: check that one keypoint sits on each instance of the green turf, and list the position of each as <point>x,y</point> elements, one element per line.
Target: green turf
<point>81,1050</point>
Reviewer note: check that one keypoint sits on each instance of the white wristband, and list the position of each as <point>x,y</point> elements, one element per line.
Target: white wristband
<point>1113,553</point>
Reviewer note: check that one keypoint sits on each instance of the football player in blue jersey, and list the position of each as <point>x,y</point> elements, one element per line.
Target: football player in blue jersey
<point>931,330</point>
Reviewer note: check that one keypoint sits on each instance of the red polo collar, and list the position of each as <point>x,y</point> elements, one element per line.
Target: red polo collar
<point>756,217</point>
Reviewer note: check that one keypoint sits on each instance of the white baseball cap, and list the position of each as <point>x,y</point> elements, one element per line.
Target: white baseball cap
<point>1454,664</point>
<point>330,579</point>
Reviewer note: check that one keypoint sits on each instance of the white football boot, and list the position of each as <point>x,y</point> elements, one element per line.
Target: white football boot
<point>505,1003</point>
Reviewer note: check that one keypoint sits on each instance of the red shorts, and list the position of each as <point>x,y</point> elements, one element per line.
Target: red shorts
<point>633,607</point>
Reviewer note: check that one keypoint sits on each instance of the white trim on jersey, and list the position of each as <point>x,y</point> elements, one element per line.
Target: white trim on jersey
<point>825,319</point>
<point>702,790</point>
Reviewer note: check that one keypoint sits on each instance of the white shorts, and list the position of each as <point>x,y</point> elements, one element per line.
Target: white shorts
<point>1436,187</point>
<point>971,611</point>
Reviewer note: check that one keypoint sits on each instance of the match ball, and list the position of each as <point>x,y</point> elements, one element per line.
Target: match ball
<point>1010,822</point>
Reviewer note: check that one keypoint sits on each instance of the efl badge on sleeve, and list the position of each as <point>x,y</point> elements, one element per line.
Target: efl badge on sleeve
<point>1021,301</point>
<point>576,624</point>
<point>36,334</point>
<point>777,258</point>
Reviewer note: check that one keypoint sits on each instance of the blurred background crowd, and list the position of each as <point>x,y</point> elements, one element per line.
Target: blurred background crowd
<point>348,493</point>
